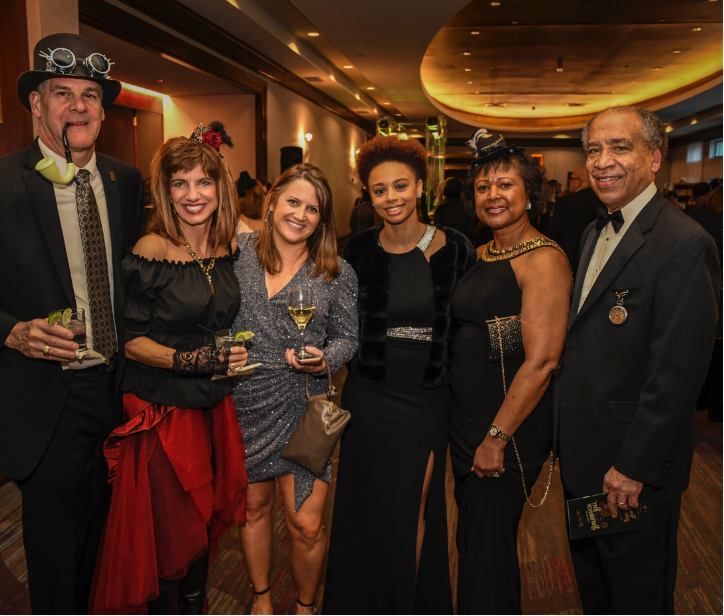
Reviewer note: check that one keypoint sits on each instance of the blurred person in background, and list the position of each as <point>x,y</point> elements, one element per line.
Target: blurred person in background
<point>452,213</point>
<point>363,214</point>
<point>251,201</point>
<point>573,213</point>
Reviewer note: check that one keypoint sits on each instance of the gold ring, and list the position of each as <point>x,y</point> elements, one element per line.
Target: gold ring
<point>495,474</point>
<point>231,365</point>
<point>46,350</point>
<point>621,504</point>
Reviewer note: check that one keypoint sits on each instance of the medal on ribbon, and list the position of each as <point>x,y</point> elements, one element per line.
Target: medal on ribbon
<point>618,314</point>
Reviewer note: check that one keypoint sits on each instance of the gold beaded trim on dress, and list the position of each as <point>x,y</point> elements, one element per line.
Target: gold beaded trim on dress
<point>490,254</point>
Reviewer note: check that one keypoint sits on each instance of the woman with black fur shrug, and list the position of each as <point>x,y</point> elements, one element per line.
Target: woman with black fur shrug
<point>389,546</point>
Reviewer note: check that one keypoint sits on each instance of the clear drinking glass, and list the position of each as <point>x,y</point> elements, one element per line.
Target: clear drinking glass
<point>77,326</point>
<point>300,303</point>
<point>225,338</point>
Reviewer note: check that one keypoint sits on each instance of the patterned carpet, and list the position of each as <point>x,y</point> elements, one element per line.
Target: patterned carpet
<point>548,581</point>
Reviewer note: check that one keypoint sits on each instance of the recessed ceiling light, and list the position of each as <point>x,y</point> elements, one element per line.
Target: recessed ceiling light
<point>697,29</point>
<point>614,92</point>
<point>677,51</point>
<point>159,80</point>
<point>495,4</point>
<point>515,23</point>
<point>385,103</point>
<point>466,53</point>
<point>560,136</point>
<point>312,33</point>
<point>655,68</point>
<point>694,121</point>
<point>470,83</point>
<point>398,114</point>
<point>467,70</point>
<point>669,128</point>
<point>348,66</point>
<point>474,32</point>
<point>370,87</point>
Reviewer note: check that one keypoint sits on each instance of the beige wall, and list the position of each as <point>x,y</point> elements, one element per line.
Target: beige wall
<point>182,114</point>
<point>559,161</point>
<point>332,148</point>
<point>700,171</point>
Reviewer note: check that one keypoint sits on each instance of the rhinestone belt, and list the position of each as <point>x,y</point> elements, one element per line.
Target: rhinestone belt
<point>411,333</point>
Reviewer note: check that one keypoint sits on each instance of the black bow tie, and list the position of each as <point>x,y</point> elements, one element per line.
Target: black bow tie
<point>616,220</point>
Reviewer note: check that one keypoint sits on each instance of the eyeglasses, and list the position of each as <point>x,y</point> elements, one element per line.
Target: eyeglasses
<point>63,61</point>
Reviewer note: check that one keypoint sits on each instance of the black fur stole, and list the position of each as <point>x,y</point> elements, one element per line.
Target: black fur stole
<point>373,267</point>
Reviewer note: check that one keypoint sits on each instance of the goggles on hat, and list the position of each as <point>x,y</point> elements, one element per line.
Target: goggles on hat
<point>63,61</point>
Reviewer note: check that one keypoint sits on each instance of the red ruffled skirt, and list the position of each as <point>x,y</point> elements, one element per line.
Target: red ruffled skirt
<point>179,482</point>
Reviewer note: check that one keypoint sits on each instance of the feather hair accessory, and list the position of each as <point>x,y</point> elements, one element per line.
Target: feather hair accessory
<point>481,132</point>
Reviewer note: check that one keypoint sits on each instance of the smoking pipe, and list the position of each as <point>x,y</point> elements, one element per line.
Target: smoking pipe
<point>49,169</point>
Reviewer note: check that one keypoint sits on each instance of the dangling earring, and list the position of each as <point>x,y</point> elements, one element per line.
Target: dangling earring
<point>528,206</point>
<point>419,195</point>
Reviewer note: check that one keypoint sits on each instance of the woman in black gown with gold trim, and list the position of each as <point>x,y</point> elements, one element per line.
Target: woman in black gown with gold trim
<point>389,547</point>
<point>518,273</point>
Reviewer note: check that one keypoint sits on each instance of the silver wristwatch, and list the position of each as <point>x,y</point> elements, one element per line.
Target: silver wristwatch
<point>495,432</point>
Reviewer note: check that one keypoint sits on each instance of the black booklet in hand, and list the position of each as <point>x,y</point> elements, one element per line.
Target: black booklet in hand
<point>589,516</point>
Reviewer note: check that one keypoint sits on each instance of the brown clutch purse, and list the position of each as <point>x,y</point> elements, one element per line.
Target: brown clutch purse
<point>313,442</point>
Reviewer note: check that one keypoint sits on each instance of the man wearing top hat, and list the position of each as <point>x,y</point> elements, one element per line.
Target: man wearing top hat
<point>640,335</point>
<point>60,247</point>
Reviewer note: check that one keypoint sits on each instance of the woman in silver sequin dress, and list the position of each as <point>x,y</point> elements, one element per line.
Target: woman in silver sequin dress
<point>296,246</point>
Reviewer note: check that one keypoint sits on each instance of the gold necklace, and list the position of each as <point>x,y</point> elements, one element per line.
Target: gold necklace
<point>490,254</point>
<point>205,269</point>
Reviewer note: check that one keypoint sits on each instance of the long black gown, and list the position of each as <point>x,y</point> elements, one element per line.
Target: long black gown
<point>490,508</point>
<point>395,426</point>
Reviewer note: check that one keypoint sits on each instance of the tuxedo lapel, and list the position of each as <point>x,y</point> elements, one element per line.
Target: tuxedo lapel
<point>631,242</point>
<point>42,196</point>
<point>581,274</point>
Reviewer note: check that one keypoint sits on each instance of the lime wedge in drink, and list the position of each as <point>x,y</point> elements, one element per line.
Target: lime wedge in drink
<point>54,317</point>
<point>67,315</point>
<point>243,336</point>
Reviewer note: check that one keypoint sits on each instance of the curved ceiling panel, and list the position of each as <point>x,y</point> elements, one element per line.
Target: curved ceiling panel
<point>546,73</point>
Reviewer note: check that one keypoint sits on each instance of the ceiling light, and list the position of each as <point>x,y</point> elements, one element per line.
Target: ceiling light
<point>474,32</point>
<point>308,137</point>
<point>312,33</point>
<point>559,67</point>
<point>697,29</point>
<point>398,114</point>
<point>348,66</point>
<point>466,53</point>
<point>467,70</point>
<point>677,51</point>
<point>694,121</point>
<point>357,97</point>
<point>495,4</point>
<point>370,87</point>
<point>159,80</point>
<point>560,137</point>
<point>655,68</point>
<point>669,128</point>
<point>470,83</point>
<point>385,103</point>
<point>515,23</point>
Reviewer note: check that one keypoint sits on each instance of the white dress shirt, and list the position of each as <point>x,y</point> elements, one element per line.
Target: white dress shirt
<point>608,239</point>
<point>68,212</point>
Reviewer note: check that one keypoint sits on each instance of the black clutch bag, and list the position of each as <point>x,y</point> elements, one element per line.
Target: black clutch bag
<point>505,339</point>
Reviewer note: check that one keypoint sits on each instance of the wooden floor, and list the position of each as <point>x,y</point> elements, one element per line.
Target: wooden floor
<point>548,582</point>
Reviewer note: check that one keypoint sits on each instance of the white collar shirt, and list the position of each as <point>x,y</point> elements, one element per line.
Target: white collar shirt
<point>68,213</point>
<point>608,240</point>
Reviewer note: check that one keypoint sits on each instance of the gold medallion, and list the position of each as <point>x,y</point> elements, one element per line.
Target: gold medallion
<point>618,314</point>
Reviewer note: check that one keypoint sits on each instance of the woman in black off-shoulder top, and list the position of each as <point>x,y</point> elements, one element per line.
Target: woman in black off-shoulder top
<point>177,464</point>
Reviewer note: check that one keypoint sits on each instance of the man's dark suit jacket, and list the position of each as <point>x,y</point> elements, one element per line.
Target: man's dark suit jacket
<point>35,280</point>
<point>572,215</point>
<point>626,394</point>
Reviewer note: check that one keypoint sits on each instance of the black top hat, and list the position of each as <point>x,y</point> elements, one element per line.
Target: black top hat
<point>52,59</point>
<point>488,147</point>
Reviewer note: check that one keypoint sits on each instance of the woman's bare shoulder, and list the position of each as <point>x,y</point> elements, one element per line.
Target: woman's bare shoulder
<point>152,246</point>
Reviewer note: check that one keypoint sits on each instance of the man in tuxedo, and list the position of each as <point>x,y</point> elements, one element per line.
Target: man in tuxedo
<point>572,215</point>
<point>61,246</point>
<point>640,334</point>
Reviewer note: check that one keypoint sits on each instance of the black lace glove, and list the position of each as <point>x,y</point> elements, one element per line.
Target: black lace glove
<point>206,360</point>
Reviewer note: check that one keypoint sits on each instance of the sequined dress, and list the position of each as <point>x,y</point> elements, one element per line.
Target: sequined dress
<point>271,400</point>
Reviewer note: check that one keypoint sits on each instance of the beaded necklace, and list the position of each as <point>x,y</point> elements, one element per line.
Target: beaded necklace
<point>490,254</point>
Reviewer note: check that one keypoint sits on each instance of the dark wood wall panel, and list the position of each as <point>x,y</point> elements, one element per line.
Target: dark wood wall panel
<point>149,138</point>
<point>16,128</point>
<point>118,137</point>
